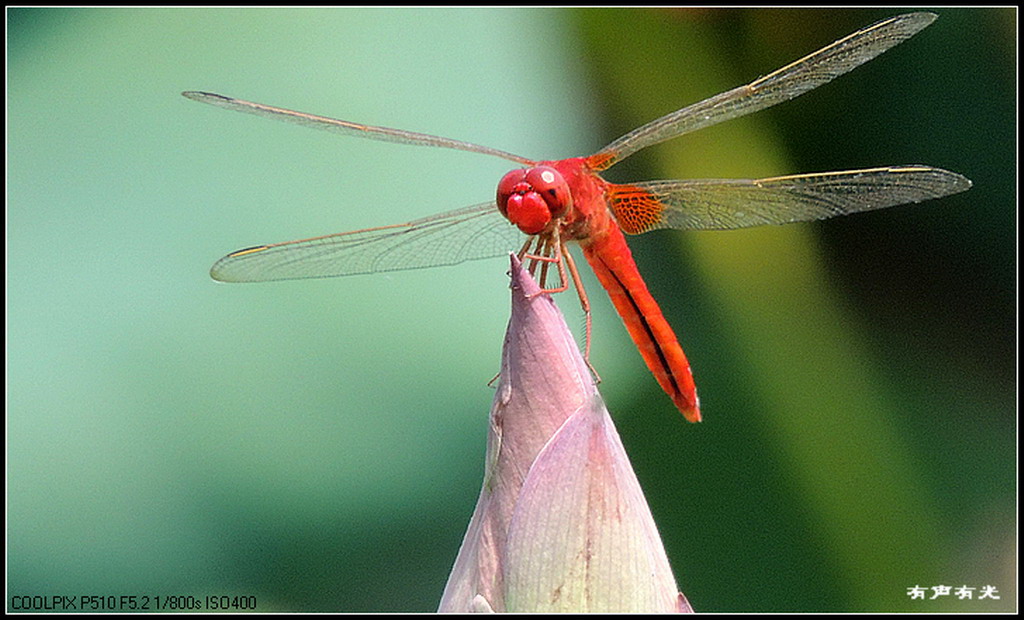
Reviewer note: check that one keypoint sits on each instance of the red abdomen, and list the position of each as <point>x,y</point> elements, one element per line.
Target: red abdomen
<point>612,262</point>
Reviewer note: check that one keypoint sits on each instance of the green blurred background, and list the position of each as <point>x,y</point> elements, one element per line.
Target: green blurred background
<point>319,444</point>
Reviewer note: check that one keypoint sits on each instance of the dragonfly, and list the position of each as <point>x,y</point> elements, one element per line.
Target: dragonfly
<point>543,205</point>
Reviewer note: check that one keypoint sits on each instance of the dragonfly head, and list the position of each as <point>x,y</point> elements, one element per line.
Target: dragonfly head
<point>532,197</point>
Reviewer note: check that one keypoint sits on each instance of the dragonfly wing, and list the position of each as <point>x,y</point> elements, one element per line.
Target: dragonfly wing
<point>347,128</point>
<point>447,239</point>
<point>784,84</point>
<point>720,204</point>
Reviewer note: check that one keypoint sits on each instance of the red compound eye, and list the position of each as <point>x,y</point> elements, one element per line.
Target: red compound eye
<point>528,212</point>
<point>531,198</point>
<point>512,183</point>
<point>549,183</point>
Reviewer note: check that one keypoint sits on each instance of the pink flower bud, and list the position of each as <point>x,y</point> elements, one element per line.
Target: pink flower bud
<point>561,524</point>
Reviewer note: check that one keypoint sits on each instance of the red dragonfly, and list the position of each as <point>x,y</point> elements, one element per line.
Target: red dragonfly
<point>555,202</point>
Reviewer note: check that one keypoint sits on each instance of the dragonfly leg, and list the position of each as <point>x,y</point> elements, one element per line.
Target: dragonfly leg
<point>585,303</point>
<point>551,249</point>
<point>539,254</point>
<point>546,250</point>
<point>524,254</point>
<point>544,259</point>
<point>555,246</point>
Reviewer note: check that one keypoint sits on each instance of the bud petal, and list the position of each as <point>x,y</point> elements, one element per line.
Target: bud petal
<point>561,523</point>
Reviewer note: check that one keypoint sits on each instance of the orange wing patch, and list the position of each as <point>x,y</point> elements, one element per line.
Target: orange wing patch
<point>636,210</point>
<point>601,161</point>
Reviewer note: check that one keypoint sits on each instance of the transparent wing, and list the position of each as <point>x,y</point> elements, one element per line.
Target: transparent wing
<point>784,84</point>
<point>446,239</point>
<point>347,128</point>
<point>719,204</point>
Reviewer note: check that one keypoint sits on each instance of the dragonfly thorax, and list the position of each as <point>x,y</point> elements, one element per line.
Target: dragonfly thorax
<point>531,198</point>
